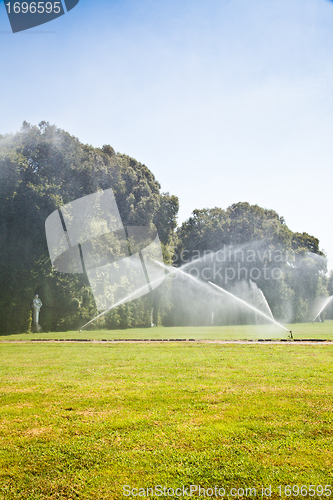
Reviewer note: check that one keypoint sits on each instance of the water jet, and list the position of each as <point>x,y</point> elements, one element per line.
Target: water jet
<point>327,301</point>
<point>209,285</point>
<point>248,305</point>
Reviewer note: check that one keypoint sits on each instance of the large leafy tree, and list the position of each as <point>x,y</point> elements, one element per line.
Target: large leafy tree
<point>41,168</point>
<point>252,244</point>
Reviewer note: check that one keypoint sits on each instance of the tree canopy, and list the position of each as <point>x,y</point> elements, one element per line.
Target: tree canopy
<point>251,243</point>
<point>43,167</point>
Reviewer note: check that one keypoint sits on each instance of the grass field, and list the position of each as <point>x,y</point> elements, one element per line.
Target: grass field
<point>240,332</point>
<point>80,421</point>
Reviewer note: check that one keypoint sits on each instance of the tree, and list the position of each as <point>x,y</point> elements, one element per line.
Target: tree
<point>42,168</point>
<point>249,243</point>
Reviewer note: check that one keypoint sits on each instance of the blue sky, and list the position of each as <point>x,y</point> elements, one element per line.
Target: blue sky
<point>224,100</point>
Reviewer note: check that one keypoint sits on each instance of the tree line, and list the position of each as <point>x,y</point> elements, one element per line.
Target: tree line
<point>43,167</point>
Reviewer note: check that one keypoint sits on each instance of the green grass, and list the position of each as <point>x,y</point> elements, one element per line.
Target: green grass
<point>79,421</point>
<point>237,332</point>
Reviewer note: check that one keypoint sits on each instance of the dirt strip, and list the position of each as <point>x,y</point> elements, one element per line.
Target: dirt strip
<point>163,341</point>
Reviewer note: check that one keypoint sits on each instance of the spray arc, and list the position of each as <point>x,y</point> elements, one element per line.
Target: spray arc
<point>243,302</point>
<point>209,286</point>
<point>327,301</point>
<point>88,236</point>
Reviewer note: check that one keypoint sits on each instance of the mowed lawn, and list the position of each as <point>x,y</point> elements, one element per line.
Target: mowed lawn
<point>80,421</point>
<point>236,332</point>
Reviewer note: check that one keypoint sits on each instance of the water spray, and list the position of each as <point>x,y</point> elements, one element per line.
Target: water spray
<point>250,306</point>
<point>327,301</point>
<point>132,296</point>
<point>204,283</point>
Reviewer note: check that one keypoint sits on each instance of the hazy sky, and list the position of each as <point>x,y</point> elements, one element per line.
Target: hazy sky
<point>224,100</point>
